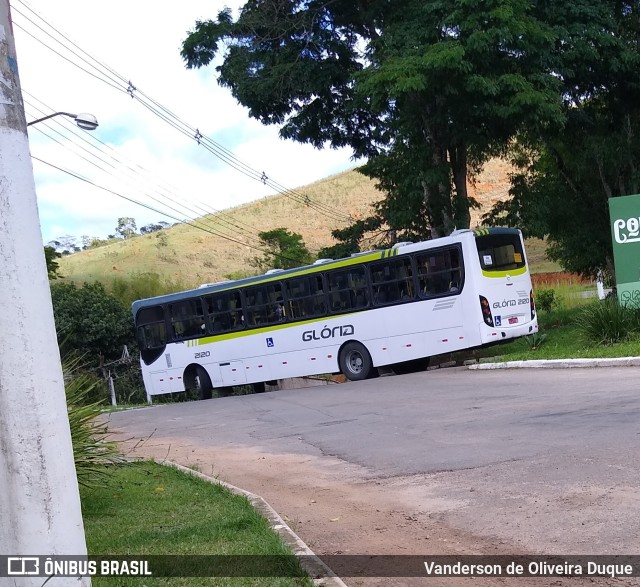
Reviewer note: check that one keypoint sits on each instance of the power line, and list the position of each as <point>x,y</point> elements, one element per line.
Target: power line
<point>156,108</point>
<point>198,221</point>
<point>134,201</point>
<point>173,198</point>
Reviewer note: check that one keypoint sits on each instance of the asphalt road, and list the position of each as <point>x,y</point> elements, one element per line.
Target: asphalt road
<point>441,420</point>
<point>537,457</point>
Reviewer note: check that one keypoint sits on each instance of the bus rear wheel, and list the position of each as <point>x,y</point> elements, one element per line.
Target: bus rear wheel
<point>355,362</point>
<point>203,383</point>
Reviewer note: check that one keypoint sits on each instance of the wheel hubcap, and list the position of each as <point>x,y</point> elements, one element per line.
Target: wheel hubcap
<point>355,362</point>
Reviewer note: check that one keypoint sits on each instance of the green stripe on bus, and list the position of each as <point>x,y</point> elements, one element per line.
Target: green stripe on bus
<point>264,330</point>
<point>512,272</point>
<point>308,271</point>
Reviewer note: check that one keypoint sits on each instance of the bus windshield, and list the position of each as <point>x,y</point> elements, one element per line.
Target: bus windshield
<point>500,252</point>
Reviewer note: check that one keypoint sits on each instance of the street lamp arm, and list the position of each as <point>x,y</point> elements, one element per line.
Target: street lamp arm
<point>51,116</point>
<point>84,121</point>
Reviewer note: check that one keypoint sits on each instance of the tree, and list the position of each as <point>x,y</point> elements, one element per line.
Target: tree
<point>89,320</point>
<point>153,227</point>
<point>50,255</point>
<point>426,90</point>
<point>284,250</point>
<point>567,174</point>
<point>126,227</point>
<point>351,238</point>
<point>65,245</point>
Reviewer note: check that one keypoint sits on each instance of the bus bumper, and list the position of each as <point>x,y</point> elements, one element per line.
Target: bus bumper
<point>489,335</point>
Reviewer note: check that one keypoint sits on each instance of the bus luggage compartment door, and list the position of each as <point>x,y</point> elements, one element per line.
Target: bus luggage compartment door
<point>167,381</point>
<point>232,373</point>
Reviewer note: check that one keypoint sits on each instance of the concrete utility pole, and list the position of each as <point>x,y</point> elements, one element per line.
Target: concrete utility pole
<point>39,500</point>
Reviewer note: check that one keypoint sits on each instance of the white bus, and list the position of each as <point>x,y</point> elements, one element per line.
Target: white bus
<point>395,307</point>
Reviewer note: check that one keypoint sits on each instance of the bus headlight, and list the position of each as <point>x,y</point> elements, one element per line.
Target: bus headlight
<point>486,311</point>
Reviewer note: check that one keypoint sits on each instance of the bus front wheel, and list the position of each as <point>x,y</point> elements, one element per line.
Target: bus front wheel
<point>203,383</point>
<point>355,362</point>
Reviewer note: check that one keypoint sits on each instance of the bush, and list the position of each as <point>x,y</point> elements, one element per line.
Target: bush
<point>546,300</point>
<point>137,286</point>
<point>91,451</point>
<point>608,322</point>
<point>128,383</point>
<point>90,321</point>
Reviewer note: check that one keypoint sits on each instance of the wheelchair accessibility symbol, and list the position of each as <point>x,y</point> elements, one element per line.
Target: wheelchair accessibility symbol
<point>270,343</point>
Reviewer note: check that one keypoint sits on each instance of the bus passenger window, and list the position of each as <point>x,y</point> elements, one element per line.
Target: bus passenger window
<point>393,281</point>
<point>187,319</point>
<point>348,289</point>
<point>262,304</point>
<point>439,272</point>
<point>151,330</point>
<point>225,311</point>
<point>306,297</point>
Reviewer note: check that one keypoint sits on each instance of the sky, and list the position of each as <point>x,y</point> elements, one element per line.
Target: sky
<point>135,152</point>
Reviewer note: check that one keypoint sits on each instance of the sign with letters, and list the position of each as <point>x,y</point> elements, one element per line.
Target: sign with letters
<point>625,234</point>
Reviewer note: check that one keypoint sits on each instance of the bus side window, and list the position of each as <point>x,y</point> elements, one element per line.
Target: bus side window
<point>348,289</point>
<point>151,329</point>
<point>392,281</point>
<point>262,304</point>
<point>439,272</point>
<point>187,319</point>
<point>276,303</point>
<point>306,297</point>
<point>225,311</point>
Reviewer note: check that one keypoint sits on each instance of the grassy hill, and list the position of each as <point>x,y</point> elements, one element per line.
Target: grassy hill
<point>187,256</point>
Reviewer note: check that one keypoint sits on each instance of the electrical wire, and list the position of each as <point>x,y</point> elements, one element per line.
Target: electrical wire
<point>134,201</point>
<point>165,114</point>
<point>173,198</point>
<point>201,221</point>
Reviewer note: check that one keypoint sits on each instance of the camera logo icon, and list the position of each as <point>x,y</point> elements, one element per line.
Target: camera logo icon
<point>23,565</point>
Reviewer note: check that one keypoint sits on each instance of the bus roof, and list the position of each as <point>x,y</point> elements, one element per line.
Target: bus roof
<point>325,265</point>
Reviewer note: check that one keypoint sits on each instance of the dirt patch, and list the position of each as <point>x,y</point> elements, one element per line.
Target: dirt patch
<point>341,508</point>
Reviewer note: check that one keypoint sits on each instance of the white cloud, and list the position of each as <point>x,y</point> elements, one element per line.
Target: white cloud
<point>141,41</point>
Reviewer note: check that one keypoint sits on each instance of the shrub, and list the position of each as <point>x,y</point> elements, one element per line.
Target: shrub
<point>91,451</point>
<point>608,322</point>
<point>128,383</point>
<point>546,299</point>
<point>139,285</point>
<point>91,321</point>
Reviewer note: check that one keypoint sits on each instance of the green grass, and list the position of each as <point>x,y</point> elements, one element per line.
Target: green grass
<point>148,509</point>
<point>537,257</point>
<point>563,339</point>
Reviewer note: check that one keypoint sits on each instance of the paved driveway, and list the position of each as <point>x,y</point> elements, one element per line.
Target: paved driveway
<point>538,461</point>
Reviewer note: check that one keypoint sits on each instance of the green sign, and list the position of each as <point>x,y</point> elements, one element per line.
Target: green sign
<point>625,233</point>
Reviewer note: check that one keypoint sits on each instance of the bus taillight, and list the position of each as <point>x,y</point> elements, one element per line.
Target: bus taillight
<point>533,305</point>
<point>486,311</point>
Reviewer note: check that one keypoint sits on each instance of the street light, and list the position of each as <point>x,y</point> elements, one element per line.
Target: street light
<point>84,120</point>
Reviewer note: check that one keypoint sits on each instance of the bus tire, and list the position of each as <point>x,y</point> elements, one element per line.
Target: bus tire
<point>355,362</point>
<point>203,383</point>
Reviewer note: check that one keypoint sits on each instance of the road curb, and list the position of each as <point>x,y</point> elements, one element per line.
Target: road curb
<point>320,573</point>
<point>560,363</point>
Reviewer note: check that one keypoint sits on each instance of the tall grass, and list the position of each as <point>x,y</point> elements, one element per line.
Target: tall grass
<point>91,450</point>
<point>608,322</point>
<point>139,285</point>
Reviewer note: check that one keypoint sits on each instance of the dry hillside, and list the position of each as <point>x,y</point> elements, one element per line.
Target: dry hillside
<point>190,256</point>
